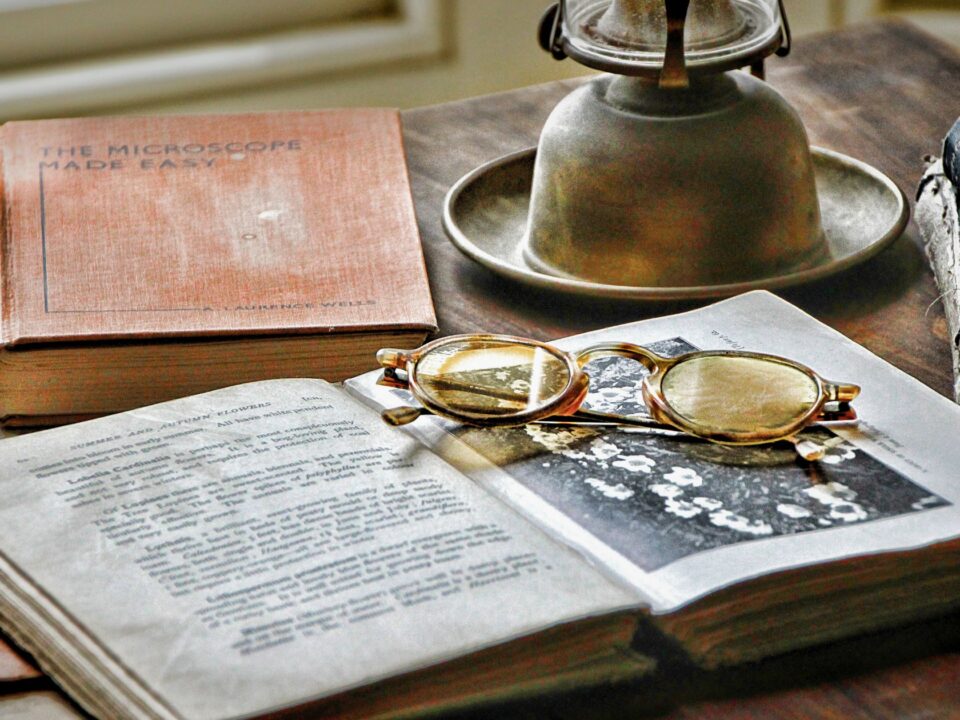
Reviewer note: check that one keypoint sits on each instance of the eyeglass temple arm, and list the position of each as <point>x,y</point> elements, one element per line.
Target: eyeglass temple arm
<point>809,450</point>
<point>405,414</point>
<point>586,417</point>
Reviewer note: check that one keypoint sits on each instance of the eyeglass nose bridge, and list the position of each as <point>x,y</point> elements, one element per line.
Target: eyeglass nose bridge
<point>650,360</point>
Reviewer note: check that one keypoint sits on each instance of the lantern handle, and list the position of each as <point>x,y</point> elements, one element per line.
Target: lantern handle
<point>674,72</point>
<point>786,44</point>
<point>786,39</point>
<point>550,32</point>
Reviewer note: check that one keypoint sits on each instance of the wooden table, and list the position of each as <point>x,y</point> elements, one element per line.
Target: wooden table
<point>885,93</point>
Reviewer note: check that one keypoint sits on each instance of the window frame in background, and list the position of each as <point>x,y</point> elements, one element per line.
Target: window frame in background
<point>149,68</point>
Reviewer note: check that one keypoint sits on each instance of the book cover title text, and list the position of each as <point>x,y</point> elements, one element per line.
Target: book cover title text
<point>158,156</point>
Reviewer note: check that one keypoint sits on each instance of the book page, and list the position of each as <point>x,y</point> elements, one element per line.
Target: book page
<point>681,518</point>
<point>267,544</point>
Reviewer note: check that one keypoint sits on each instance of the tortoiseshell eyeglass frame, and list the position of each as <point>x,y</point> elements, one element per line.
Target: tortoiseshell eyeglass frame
<point>832,404</point>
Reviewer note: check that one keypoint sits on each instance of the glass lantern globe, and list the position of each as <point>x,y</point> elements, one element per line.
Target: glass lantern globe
<point>629,37</point>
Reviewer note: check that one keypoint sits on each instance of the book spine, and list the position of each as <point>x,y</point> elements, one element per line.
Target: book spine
<point>6,280</point>
<point>4,253</point>
<point>5,300</point>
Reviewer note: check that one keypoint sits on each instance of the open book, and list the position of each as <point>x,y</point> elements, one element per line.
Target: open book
<point>275,546</point>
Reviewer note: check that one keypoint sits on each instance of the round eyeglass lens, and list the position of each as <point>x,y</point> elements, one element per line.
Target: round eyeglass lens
<point>739,395</point>
<point>491,377</point>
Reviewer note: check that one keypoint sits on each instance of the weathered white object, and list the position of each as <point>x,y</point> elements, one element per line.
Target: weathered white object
<point>939,225</point>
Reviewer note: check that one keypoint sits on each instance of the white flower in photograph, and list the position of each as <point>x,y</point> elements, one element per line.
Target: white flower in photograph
<point>603,450</point>
<point>725,518</point>
<point>610,398</point>
<point>848,512</point>
<point>926,502</point>
<point>708,503</point>
<point>830,493</point>
<point>838,454</point>
<point>559,441</point>
<point>684,477</point>
<point>614,492</point>
<point>682,508</point>
<point>666,490</point>
<point>840,499</point>
<point>635,463</point>
<point>793,511</point>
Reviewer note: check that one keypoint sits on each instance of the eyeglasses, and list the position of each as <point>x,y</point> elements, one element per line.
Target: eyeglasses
<point>727,397</point>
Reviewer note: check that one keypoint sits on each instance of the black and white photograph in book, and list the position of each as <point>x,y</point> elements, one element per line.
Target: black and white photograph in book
<point>657,499</point>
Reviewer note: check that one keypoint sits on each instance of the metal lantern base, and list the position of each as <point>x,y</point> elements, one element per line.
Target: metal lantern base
<point>637,185</point>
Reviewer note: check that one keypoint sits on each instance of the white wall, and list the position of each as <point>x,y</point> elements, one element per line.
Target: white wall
<point>938,17</point>
<point>435,50</point>
<point>491,46</point>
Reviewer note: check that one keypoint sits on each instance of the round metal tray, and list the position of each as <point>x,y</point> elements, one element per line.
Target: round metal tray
<point>485,216</point>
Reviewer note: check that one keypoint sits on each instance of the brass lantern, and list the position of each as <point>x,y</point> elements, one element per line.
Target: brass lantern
<point>673,170</point>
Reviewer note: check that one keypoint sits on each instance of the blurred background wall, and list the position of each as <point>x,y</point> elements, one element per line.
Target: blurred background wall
<point>69,57</point>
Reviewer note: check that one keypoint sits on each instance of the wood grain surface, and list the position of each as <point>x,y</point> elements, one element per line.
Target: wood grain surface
<point>885,93</point>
